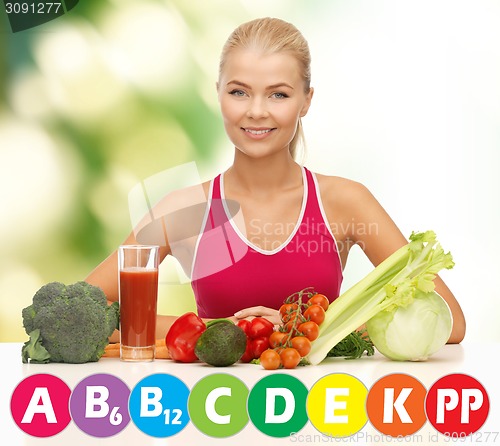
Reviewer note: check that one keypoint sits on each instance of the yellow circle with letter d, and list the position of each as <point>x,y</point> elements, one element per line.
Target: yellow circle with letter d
<point>336,405</point>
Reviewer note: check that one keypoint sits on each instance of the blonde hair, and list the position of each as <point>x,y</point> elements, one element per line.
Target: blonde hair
<point>271,35</point>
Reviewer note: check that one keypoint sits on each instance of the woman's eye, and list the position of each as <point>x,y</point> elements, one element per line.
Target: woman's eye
<point>237,93</point>
<point>279,95</point>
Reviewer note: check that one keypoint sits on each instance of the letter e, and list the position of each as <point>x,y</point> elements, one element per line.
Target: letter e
<point>331,405</point>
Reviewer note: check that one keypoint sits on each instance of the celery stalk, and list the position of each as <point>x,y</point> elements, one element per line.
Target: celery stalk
<point>392,283</point>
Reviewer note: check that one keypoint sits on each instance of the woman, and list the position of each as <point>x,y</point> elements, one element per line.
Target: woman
<point>267,226</point>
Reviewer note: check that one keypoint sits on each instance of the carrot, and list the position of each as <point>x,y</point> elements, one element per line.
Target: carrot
<point>161,349</point>
<point>113,350</point>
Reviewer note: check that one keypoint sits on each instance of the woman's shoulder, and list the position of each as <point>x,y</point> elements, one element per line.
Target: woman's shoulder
<point>185,196</point>
<point>179,211</point>
<point>340,190</point>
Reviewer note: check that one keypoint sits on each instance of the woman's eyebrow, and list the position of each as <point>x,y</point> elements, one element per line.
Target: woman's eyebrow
<point>241,84</point>
<point>279,85</point>
<point>270,87</point>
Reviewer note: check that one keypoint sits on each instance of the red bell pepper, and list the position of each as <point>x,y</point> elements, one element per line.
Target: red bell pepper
<point>182,336</point>
<point>260,328</point>
<point>258,331</point>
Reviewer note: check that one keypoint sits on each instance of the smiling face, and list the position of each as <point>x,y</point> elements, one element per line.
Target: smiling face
<point>262,97</point>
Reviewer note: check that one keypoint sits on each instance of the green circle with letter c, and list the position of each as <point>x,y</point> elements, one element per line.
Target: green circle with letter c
<point>217,405</point>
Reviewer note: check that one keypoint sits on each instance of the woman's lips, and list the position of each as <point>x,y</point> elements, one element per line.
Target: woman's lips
<point>257,133</point>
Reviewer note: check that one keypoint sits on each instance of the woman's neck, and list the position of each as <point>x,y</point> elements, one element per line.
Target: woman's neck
<point>261,176</point>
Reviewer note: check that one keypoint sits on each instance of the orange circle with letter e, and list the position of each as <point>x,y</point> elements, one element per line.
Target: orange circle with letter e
<point>396,405</point>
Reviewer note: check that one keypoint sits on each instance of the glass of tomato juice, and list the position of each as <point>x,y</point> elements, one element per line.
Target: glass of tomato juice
<point>138,294</point>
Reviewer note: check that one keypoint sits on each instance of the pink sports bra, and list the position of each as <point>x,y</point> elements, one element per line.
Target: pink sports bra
<point>229,273</point>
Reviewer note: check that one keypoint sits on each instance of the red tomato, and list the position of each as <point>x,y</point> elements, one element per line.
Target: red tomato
<point>260,327</point>
<point>290,358</point>
<point>277,339</point>
<point>319,299</point>
<point>302,345</point>
<point>315,313</point>
<point>310,330</point>
<point>292,327</point>
<point>259,345</point>
<point>287,310</point>
<point>297,315</point>
<point>245,326</point>
<point>270,359</point>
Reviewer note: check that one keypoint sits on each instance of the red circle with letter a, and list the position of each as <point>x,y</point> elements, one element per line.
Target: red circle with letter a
<point>457,405</point>
<point>39,405</point>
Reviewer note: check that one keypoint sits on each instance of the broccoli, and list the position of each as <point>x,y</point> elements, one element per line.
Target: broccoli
<point>68,323</point>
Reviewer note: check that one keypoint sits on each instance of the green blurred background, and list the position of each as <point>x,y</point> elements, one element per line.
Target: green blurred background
<point>93,103</point>
<point>115,91</point>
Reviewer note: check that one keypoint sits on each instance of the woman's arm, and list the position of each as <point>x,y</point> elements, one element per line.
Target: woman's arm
<point>378,236</point>
<point>180,213</point>
<point>105,276</point>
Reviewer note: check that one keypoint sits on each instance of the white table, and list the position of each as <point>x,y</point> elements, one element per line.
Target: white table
<point>472,359</point>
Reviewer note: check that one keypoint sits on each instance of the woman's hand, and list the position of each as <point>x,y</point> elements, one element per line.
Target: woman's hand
<point>269,313</point>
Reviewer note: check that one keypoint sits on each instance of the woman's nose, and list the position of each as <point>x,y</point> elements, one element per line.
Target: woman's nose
<point>257,109</point>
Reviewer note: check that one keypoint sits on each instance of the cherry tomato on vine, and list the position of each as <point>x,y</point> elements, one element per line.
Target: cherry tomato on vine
<point>278,338</point>
<point>287,310</point>
<point>310,330</point>
<point>260,327</point>
<point>319,299</point>
<point>290,358</point>
<point>291,327</point>
<point>315,313</point>
<point>270,359</point>
<point>291,317</point>
<point>302,345</point>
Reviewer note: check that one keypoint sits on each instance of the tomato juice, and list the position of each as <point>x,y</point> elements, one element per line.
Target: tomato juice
<point>138,299</point>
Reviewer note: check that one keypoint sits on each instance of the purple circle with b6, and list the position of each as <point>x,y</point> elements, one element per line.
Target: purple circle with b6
<point>99,405</point>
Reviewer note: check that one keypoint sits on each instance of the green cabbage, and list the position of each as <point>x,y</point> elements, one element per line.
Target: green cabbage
<point>414,332</point>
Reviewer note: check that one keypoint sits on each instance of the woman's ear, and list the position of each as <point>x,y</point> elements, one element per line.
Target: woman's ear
<point>307,102</point>
<point>217,89</point>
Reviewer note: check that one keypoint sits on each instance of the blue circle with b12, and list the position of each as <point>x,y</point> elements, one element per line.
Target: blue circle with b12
<point>158,405</point>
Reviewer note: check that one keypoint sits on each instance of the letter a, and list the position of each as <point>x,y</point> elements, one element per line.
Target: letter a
<point>40,393</point>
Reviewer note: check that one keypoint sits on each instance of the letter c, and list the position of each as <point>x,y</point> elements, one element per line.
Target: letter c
<point>212,397</point>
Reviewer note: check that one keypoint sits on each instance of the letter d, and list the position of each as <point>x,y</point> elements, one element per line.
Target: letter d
<point>271,416</point>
